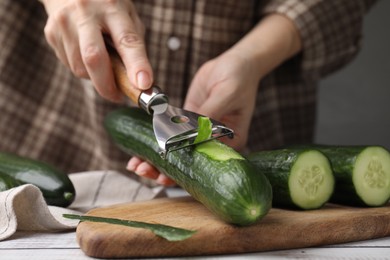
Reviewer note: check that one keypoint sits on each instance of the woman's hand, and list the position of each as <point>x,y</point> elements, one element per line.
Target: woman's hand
<point>223,89</point>
<point>75,31</point>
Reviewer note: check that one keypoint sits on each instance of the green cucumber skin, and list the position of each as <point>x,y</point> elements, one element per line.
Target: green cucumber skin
<point>226,188</point>
<point>343,160</point>
<point>56,187</point>
<point>276,165</point>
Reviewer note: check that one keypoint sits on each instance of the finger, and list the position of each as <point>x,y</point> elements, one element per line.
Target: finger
<point>54,39</point>
<point>73,55</point>
<point>129,43</point>
<point>60,52</point>
<point>62,36</point>
<point>164,180</point>
<point>133,163</point>
<point>141,168</point>
<point>96,60</point>
<point>72,51</point>
<point>146,170</point>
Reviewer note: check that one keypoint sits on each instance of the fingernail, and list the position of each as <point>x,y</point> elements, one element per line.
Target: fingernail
<point>143,80</point>
<point>130,166</point>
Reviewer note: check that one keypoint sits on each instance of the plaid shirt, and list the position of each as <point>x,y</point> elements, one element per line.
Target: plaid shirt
<point>48,114</point>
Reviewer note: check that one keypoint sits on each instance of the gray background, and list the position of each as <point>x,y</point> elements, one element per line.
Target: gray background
<point>354,103</point>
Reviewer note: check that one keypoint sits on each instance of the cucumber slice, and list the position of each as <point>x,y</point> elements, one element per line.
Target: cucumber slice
<point>371,176</point>
<point>311,181</point>
<point>300,178</point>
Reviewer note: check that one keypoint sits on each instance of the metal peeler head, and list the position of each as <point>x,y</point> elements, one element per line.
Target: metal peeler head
<point>173,127</point>
<point>177,128</point>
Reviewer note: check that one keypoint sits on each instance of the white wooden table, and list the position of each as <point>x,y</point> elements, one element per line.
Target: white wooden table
<point>53,246</point>
<point>25,245</point>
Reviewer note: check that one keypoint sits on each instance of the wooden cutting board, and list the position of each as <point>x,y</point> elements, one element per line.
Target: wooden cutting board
<point>280,229</point>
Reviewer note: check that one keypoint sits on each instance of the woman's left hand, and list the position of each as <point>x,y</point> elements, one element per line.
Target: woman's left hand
<point>225,89</point>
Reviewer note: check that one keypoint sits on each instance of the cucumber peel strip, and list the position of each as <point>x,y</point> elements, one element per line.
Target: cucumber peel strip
<point>212,148</point>
<point>167,232</point>
<point>204,129</point>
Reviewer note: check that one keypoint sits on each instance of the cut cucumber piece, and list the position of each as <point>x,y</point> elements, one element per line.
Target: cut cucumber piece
<point>311,180</point>
<point>362,174</point>
<point>372,176</point>
<point>300,178</point>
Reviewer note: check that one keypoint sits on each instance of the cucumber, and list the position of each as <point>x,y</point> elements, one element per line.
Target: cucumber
<point>300,178</point>
<point>56,187</point>
<point>362,174</point>
<point>213,173</point>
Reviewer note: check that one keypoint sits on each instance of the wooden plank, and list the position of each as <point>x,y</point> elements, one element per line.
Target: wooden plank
<point>280,229</point>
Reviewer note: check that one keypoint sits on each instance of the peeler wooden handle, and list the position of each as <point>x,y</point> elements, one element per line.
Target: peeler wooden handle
<point>150,100</point>
<point>121,78</point>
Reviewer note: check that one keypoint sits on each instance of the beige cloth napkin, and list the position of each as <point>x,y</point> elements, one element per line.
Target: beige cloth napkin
<point>24,208</point>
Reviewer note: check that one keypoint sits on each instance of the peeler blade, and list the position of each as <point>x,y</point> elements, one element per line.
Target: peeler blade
<point>176,128</point>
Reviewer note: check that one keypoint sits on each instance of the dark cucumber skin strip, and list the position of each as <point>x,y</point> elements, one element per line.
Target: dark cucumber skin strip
<point>55,185</point>
<point>228,188</point>
<point>169,233</point>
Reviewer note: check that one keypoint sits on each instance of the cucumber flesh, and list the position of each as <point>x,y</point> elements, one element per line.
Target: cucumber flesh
<point>371,176</point>
<point>311,181</point>
<point>217,151</point>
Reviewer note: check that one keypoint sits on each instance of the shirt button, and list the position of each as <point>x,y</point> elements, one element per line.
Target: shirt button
<point>173,43</point>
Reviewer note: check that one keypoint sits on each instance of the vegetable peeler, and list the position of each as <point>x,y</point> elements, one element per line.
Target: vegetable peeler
<point>174,128</point>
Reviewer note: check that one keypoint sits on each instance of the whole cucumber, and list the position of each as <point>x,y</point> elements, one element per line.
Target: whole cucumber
<point>213,173</point>
<point>56,187</point>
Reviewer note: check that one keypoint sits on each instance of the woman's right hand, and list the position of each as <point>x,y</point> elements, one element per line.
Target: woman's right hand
<point>75,31</point>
